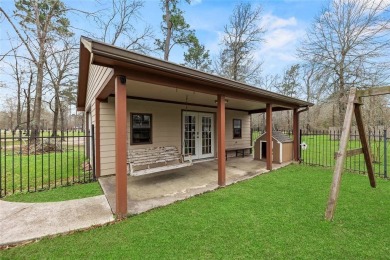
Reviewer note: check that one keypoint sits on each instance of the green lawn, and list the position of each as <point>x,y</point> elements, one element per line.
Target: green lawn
<point>321,151</point>
<point>77,191</point>
<point>321,148</point>
<point>22,173</point>
<point>276,215</point>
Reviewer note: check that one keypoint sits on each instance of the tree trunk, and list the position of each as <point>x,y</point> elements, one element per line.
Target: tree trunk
<point>38,95</point>
<point>18,108</point>
<point>62,121</point>
<point>169,30</point>
<point>56,111</point>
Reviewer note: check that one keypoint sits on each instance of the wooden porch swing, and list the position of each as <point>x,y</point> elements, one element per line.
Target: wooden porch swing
<point>353,106</point>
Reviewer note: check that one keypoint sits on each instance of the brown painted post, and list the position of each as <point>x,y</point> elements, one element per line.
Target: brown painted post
<point>221,141</point>
<point>365,145</point>
<point>269,136</point>
<point>341,154</point>
<point>97,138</point>
<point>121,146</point>
<point>296,134</point>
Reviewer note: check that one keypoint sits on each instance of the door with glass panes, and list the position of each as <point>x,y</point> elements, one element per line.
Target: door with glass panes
<point>198,135</point>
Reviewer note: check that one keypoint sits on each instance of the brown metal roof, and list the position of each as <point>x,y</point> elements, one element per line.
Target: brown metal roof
<point>139,67</point>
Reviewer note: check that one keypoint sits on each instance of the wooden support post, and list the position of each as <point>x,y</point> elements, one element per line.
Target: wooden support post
<point>269,136</point>
<point>296,134</point>
<point>97,138</point>
<point>335,187</point>
<point>121,146</point>
<point>221,141</point>
<point>365,145</point>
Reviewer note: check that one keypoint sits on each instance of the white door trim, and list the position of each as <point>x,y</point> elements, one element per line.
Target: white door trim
<point>198,134</point>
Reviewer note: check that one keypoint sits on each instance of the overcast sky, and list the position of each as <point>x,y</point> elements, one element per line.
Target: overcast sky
<point>285,22</point>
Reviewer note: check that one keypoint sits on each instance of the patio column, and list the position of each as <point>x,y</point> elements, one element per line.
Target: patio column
<point>97,138</point>
<point>269,136</point>
<point>221,141</point>
<point>296,135</point>
<point>120,146</point>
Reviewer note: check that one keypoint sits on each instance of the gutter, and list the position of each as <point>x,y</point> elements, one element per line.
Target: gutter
<point>303,110</point>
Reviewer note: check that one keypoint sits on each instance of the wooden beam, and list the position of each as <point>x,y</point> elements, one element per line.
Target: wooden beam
<point>335,187</point>
<point>263,110</point>
<point>350,153</point>
<point>221,121</point>
<point>161,78</point>
<point>269,136</point>
<point>180,103</point>
<point>97,138</point>
<point>296,134</point>
<point>373,91</point>
<point>108,87</point>
<point>365,145</point>
<point>121,146</point>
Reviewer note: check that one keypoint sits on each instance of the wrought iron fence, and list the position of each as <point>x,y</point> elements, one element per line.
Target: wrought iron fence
<point>321,146</point>
<point>29,164</point>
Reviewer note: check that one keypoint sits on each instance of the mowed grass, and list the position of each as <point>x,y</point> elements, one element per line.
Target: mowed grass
<point>276,215</point>
<point>77,191</point>
<point>321,149</point>
<point>23,173</point>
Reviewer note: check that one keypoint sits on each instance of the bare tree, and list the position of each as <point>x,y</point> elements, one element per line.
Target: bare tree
<point>269,82</point>
<point>119,25</point>
<point>40,21</point>
<point>175,29</point>
<point>350,41</point>
<point>242,37</point>
<point>61,65</point>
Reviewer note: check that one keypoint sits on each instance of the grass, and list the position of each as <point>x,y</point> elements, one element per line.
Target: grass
<point>321,150</point>
<point>276,215</point>
<point>22,173</point>
<point>77,191</point>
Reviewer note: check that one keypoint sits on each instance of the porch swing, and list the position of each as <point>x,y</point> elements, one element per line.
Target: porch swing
<point>150,160</point>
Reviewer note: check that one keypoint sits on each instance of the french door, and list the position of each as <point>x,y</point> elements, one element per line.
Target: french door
<point>198,135</point>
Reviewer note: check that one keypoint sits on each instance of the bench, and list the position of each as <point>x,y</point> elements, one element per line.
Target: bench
<point>238,150</point>
<point>155,159</point>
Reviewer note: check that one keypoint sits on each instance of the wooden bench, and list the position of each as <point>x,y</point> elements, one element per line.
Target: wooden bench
<point>155,159</point>
<point>238,150</point>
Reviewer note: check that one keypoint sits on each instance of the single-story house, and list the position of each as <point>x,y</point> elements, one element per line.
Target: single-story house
<point>134,101</point>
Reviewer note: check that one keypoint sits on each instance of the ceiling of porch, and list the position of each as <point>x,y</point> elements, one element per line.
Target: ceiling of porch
<point>148,91</point>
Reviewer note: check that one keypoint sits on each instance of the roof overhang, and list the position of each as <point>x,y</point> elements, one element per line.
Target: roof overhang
<point>147,69</point>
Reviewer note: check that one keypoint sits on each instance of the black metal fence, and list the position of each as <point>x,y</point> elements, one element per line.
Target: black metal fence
<point>29,164</point>
<point>320,146</point>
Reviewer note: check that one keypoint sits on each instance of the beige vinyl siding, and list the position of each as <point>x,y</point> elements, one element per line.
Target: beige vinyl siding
<point>166,127</point>
<point>96,78</point>
<point>166,122</point>
<point>107,137</point>
<point>245,139</point>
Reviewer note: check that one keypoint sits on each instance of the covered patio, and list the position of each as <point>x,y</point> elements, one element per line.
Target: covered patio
<point>153,191</point>
<point>117,85</point>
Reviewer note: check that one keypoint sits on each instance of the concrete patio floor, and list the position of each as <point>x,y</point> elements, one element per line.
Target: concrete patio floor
<point>160,189</point>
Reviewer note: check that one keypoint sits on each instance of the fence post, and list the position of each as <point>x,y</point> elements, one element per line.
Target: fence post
<point>300,146</point>
<point>385,152</point>
<point>93,151</point>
